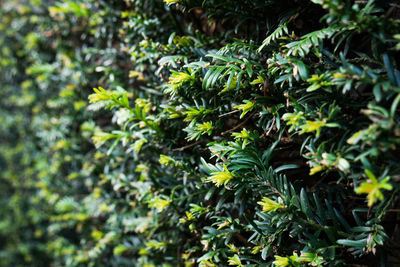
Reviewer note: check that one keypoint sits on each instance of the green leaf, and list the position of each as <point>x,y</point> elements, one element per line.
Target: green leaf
<point>305,204</point>
<point>353,243</point>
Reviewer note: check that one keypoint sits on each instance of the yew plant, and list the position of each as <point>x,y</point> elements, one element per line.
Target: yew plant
<point>200,133</point>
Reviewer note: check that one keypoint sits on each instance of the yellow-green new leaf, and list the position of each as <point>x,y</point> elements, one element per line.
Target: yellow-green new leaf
<point>221,178</point>
<point>245,108</point>
<point>269,205</point>
<point>281,261</point>
<point>373,188</point>
<point>235,261</point>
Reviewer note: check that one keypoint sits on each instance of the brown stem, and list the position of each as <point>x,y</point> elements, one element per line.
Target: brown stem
<point>239,125</point>
<point>186,147</point>
<point>393,210</point>
<point>272,126</point>
<point>225,114</point>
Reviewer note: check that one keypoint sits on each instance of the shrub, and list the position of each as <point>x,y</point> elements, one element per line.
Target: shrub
<point>244,133</point>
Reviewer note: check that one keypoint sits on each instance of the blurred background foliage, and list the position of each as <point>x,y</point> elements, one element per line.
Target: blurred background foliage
<point>199,133</point>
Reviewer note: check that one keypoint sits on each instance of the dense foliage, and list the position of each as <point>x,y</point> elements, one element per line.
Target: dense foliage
<point>199,133</point>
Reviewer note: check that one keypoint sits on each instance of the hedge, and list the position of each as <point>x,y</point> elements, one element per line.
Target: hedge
<point>199,133</point>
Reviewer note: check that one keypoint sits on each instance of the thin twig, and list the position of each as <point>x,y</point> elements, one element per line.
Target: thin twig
<point>186,147</point>
<point>239,125</point>
<point>393,210</point>
<point>272,126</point>
<point>266,89</point>
<point>225,114</point>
